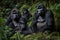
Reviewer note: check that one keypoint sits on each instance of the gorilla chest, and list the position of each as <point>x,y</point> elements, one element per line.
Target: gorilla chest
<point>16,25</point>
<point>41,22</point>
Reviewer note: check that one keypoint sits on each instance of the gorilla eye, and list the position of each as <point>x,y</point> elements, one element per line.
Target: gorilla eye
<point>14,10</point>
<point>14,13</point>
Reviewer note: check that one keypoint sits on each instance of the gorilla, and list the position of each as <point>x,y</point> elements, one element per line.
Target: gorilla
<point>26,15</point>
<point>24,19</point>
<point>43,20</point>
<point>13,21</point>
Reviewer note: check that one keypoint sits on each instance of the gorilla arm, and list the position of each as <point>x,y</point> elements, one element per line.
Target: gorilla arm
<point>8,20</point>
<point>34,21</point>
<point>50,20</point>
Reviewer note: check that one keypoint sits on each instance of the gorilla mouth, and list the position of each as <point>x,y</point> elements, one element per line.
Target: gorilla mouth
<point>16,19</point>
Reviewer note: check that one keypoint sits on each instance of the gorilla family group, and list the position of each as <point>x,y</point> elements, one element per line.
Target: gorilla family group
<point>42,21</point>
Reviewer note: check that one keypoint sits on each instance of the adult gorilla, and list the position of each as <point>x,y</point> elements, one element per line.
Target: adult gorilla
<point>13,21</point>
<point>43,20</point>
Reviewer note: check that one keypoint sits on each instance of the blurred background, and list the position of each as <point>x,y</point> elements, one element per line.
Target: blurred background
<point>7,5</point>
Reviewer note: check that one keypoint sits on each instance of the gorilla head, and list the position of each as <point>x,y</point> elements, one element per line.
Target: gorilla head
<point>25,11</point>
<point>41,9</point>
<point>15,14</point>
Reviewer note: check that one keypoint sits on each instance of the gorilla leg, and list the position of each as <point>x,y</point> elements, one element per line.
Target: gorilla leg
<point>27,31</point>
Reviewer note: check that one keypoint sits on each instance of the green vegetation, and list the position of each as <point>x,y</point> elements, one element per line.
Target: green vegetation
<point>7,5</point>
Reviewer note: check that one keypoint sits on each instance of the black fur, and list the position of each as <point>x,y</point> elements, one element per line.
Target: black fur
<point>46,22</point>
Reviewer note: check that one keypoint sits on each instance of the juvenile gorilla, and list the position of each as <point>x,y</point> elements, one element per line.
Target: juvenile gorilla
<point>43,20</point>
<point>24,19</point>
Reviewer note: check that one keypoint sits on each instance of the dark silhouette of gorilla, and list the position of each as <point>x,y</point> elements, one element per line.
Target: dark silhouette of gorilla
<point>24,19</point>
<point>13,19</point>
<point>43,20</point>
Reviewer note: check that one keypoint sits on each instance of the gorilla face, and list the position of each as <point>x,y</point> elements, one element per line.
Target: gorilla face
<point>14,15</point>
<point>41,10</point>
<point>24,10</point>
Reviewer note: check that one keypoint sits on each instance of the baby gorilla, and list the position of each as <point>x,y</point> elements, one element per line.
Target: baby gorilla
<point>43,20</point>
